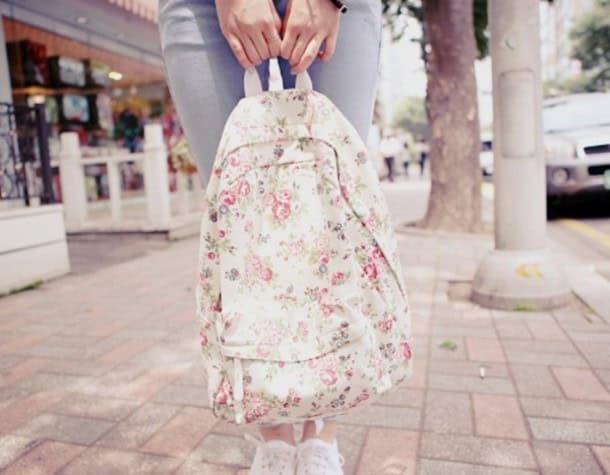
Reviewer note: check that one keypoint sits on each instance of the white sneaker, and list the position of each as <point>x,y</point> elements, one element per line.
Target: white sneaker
<point>274,457</point>
<point>316,457</point>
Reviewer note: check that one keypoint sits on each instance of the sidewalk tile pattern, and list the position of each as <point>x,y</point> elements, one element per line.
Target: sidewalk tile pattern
<point>100,374</point>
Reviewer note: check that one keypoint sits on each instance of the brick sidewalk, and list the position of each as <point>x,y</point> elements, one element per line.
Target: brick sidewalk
<point>100,374</point>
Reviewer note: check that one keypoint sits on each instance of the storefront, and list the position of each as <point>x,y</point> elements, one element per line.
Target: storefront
<point>96,67</point>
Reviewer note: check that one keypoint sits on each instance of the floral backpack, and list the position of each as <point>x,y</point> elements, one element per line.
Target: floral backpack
<point>301,302</point>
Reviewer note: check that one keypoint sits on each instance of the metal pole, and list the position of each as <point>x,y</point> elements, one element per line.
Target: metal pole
<point>520,273</point>
<point>45,156</point>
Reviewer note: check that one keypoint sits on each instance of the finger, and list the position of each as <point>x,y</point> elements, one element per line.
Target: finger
<point>238,51</point>
<point>330,44</point>
<point>274,42</point>
<point>309,55</point>
<point>288,42</point>
<point>299,50</point>
<point>261,45</point>
<point>251,51</point>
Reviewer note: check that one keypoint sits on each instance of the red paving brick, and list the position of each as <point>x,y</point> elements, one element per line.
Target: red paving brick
<point>389,451</point>
<point>46,458</point>
<point>20,411</point>
<point>484,349</point>
<point>579,383</point>
<point>182,433</point>
<point>498,416</point>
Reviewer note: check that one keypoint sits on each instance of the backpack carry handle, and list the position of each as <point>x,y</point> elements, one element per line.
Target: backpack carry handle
<point>253,86</point>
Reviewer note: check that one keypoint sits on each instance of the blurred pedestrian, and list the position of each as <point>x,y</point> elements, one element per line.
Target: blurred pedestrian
<point>390,147</point>
<point>205,46</point>
<point>406,156</point>
<point>423,150</point>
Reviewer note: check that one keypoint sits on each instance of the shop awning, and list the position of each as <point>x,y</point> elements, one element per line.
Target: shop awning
<point>144,8</point>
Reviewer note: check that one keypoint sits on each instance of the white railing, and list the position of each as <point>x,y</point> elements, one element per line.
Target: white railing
<point>152,161</point>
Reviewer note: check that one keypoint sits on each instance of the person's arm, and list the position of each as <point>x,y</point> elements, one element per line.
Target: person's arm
<point>307,25</point>
<point>252,29</point>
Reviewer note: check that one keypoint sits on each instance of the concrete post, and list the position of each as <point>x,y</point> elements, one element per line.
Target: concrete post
<point>519,273</point>
<point>114,187</point>
<point>72,179</point>
<point>156,178</point>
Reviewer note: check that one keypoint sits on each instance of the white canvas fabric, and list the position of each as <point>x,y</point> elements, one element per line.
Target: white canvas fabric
<point>301,299</point>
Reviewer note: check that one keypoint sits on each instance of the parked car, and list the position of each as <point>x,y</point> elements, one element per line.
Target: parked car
<point>577,145</point>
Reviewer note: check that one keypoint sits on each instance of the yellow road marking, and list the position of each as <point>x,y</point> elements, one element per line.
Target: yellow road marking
<point>586,230</point>
<point>529,270</point>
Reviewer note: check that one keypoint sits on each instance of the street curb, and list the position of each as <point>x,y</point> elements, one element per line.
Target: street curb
<point>592,288</point>
<point>410,228</point>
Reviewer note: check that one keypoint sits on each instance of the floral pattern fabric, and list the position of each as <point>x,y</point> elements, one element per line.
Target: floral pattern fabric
<point>302,307</point>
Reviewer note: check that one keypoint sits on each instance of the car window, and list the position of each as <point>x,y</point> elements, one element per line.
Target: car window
<point>576,113</point>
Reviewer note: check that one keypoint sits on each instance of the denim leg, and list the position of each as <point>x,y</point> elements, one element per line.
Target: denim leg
<point>204,78</point>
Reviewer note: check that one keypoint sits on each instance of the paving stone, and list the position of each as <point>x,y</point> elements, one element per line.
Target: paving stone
<point>546,330</point>
<point>469,368</point>
<point>192,467</point>
<point>78,367</point>
<point>436,351</point>
<point>24,369</point>
<point>419,377</point>
<point>565,459</point>
<point>534,380</point>
<point>584,432</point>
<point>125,351</point>
<point>186,395</point>
<point>47,457</point>
<point>484,349</point>
<point>445,467</point>
<point>471,384</point>
<point>597,353</point>
<point>498,416</point>
<point>566,409</point>
<point>402,396</point>
<point>448,412</point>
<point>224,450</point>
<point>477,450</point>
<point>604,376</point>
<point>547,359</point>
<point>389,451</point>
<point>603,455</point>
<point>351,441</point>
<point>51,381</point>
<point>96,407</point>
<point>103,461</point>
<point>12,446</point>
<point>78,430</point>
<point>383,416</point>
<point>8,361</point>
<point>134,431</point>
<point>579,383</point>
<point>441,329</point>
<point>516,330</point>
<point>21,410</point>
<point>182,433</point>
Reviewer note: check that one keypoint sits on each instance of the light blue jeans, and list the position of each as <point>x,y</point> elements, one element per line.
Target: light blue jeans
<point>206,81</point>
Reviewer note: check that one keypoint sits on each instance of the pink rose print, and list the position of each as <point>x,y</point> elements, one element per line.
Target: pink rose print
<point>303,330</point>
<point>267,274</point>
<point>337,278</point>
<point>363,396</point>
<point>377,253</point>
<point>285,195</point>
<point>385,324</point>
<point>294,396</point>
<point>370,270</point>
<point>261,350</point>
<point>243,189</point>
<point>406,350</point>
<point>203,339</point>
<point>324,259</point>
<point>221,233</point>
<point>248,226</point>
<point>281,210</point>
<point>223,393</point>
<point>211,255</point>
<point>256,413</point>
<point>228,198</point>
<point>328,376</point>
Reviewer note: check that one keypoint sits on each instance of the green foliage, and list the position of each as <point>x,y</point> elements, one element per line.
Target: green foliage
<point>394,9</point>
<point>411,116</point>
<point>591,46</point>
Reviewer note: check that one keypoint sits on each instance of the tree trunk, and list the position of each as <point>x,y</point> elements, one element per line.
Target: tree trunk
<point>455,195</point>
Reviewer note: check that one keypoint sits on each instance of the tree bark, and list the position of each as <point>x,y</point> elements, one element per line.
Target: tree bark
<point>455,195</point>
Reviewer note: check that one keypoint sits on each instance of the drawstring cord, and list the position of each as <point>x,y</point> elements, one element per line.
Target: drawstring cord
<point>238,390</point>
